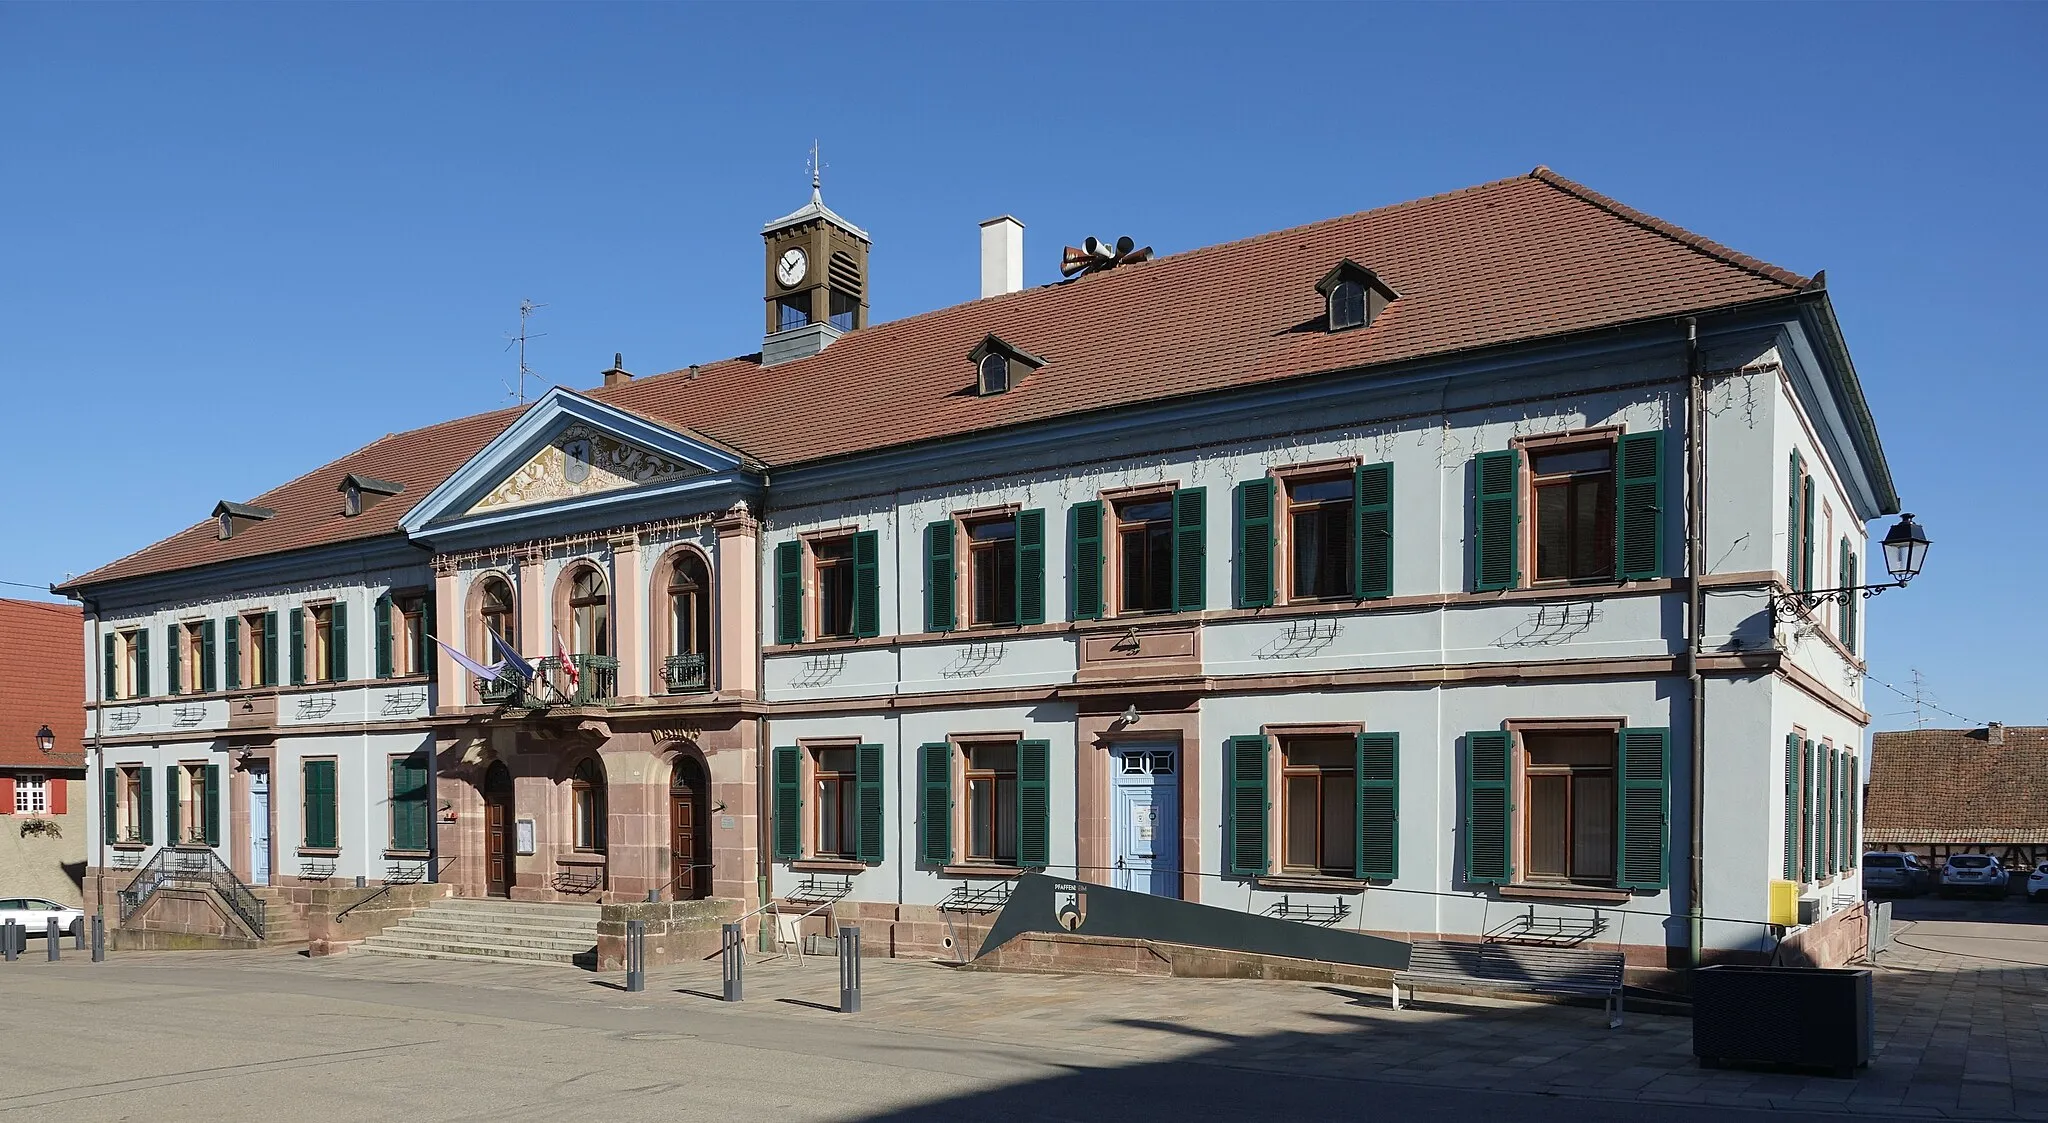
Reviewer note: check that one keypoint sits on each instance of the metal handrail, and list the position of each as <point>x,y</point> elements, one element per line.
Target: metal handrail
<point>387,887</point>
<point>654,894</point>
<point>203,867</point>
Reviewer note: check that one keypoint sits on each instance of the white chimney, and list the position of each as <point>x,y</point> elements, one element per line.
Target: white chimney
<point>1002,256</point>
<point>1994,733</point>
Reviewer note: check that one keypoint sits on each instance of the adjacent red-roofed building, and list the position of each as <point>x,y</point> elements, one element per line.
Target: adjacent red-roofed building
<point>42,798</point>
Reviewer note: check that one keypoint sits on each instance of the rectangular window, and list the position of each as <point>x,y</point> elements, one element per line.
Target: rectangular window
<point>845,310</point>
<point>834,780</point>
<point>409,653</point>
<point>321,643</point>
<point>192,797</point>
<point>408,798</point>
<point>1574,511</point>
<point>832,567</point>
<point>792,312</point>
<point>256,669</point>
<point>131,806</point>
<point>1144,532</point>
<point>992,571</point>
<point>1568,791</point>
<point>31,794</point>
<point>1321,537</point>
<point>1319,805</point>
<point>320,807</point>
<point>991,777</point>
<point>134,665</point>
<point>193,663</point>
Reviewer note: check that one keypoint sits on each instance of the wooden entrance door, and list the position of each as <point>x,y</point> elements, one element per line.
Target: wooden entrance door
<point>689,834</point>
<point>499,836</point>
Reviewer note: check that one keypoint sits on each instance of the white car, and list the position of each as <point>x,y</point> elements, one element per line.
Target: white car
<point>1972,873</point>
<point>34,913</point>
<point>2037,884</point>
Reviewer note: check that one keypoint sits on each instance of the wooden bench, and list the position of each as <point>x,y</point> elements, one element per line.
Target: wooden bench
<point>1516,967</point>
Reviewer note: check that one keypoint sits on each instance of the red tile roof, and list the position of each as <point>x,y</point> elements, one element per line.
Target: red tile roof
<point>1504,262</point>
<point>42,682</point>
<point>1953,786</point>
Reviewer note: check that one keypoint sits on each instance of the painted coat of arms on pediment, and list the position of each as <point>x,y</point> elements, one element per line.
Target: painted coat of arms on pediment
<point>582,461</point>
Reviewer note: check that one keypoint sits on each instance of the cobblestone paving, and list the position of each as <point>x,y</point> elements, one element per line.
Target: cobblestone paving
<point>1959,1028</point>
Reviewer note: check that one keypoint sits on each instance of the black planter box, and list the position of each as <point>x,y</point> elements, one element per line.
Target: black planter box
<point>1812,1017</point>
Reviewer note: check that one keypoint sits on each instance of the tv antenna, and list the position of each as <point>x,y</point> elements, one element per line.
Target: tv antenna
<point>526,310</point>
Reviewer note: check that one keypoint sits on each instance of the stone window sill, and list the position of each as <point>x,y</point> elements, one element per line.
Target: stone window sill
<point>406,855</point>
<point>1310,883</point>
<point>130,845</point>
<point>319,852</point>
<point>974,870</point>
<point>1594,893</point>
<point>581,860</point>
<point>828,865</point>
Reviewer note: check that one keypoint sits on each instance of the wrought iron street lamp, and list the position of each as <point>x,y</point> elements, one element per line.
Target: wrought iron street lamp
<point>46,740</point>
<point>1905,551</point>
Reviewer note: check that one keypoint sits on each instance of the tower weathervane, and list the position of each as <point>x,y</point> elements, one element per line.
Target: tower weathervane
<point>817,169</point>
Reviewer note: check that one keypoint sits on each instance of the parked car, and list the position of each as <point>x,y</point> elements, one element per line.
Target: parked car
<point>34,913</point>
<point>2037,884</point>
<point>1895,873</point>
<point>1973,873</point>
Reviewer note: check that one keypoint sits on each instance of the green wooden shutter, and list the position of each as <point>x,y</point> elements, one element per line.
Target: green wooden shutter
<point>1834,811</point>
<point>1087,560</point>
<point>1245,764</point>
<point>209,672</point>
<point>1496,518</point>
<point>1031,566</point>
<point>1791,863</point>
<point>320,804</point>
<point>1806,534</point>
<point>867,584</point>
<point>210,817</point>
<point>234,654</point>
<point>1255,543</point>
<point>172,835</point>
<point>935,803</point>
<point>789,592</point>
<point>1855,800</point>
<point>1639,507</point>
<point>144,810</point>
<point>270,667</point>
<point>381,617</point>
<point>142,663</point>
<point>1792,522</point>
<point>1846,624</point>
<point>110,818</point>
<point>296,640</point>
<point>1488,859</point>
<point>110,672</point>
<point>408,803</point>
<point>867,776</point>
<point>1372,524</point>
<point>1379,805</point>
<point>423,644</point>
<point>173,660</point>
<point>1643,846</point>
<point>1034,804</point>
<point>1190,548</point>
<point>938,576</point>
<point>1805,809</point>
<point>338,644</point>
<point>789,804</point>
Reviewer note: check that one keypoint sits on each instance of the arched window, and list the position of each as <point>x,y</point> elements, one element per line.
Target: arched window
<point>494,611</point>
<point>589,614</point>
<point>586,791</point>
<point>1347,305</point>
<point>686,662</point>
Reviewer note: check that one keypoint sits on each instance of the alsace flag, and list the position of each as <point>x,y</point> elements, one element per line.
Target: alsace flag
<point>568,664</point>
<point>488,674</point>
<point>510,660</point>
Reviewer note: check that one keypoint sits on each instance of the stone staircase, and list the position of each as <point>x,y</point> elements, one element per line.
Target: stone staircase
<point>282,923</point>
<point>493,931</point>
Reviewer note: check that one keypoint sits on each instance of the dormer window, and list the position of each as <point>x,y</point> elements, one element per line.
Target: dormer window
<point>360,493</point>
<point>234,516</point>
<point>999,366</point>
<point>1353,295</point>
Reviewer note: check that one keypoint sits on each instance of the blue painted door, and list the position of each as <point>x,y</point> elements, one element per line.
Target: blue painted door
<point>259,826</point>
<point>1146,807</point>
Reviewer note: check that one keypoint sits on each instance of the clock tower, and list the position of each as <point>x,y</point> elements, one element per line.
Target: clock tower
<point>816,280</point>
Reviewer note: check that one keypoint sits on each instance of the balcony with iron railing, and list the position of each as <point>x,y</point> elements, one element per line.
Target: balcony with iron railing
<point>594,683</point>
<point>687,674</point>
<point>508,689</point>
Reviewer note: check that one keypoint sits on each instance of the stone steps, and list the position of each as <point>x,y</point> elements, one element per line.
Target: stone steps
<point>493,931</point>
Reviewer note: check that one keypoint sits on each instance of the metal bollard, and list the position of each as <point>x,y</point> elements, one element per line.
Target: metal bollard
<point>10,941</point>
<point>849,969</point>
<point>636,955</point>
<point>99,939</point>
<point>51,941</point>
<point>362,882</point>
<point>731,956</point>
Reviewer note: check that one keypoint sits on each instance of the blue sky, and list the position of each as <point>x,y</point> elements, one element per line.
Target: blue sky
<point>238,241</point>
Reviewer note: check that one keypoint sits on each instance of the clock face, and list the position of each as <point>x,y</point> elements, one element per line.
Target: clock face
<point>790,268</point>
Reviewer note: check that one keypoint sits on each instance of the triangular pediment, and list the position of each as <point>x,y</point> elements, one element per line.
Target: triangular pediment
<point>569,453</point>
<point>582,460</point>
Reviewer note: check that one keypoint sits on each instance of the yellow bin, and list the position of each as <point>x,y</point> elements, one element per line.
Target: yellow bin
<point>1785,903</point>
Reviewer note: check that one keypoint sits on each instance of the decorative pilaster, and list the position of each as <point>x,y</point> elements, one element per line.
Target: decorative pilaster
<point>629,617</point>
<point>533,599</point>
<point>450,681</point>
<point>739,604</point>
